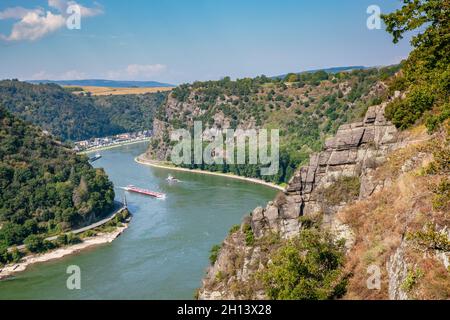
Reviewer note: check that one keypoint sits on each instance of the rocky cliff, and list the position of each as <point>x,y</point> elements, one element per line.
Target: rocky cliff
<point>344,172</point>
<point>356,148</point>
<point>305,112</point>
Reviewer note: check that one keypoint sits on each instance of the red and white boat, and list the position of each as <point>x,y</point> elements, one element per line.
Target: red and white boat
<point>145,192</point>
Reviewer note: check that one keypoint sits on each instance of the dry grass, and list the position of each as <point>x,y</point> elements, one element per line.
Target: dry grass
<point>381,222</point>
<point>106,91</point>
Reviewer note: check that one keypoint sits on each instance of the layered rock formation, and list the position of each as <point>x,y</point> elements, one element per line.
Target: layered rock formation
<point>354,151</point>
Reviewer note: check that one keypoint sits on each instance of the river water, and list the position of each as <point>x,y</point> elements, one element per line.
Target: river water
<point>164,252</point>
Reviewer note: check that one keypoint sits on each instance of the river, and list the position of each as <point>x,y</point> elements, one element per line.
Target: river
<point>164,252</point>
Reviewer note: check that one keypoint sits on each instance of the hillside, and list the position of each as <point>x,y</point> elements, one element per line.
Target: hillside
<point>368,216</point>
<point>73,117</point>
<point>103,83</point>
<point>327,70</point>
<point>373,199</point>
<point>306,108</point>
<point>108,91</point>
<point>44,187</point>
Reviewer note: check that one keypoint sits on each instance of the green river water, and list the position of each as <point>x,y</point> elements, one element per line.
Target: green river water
<point>164,252</point>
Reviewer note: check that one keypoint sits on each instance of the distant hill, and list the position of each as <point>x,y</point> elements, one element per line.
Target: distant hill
<point>103,83</point>
<point>305,110</point>
<point>327,70</point>
<point>44,186</point>
<point>75,117</point>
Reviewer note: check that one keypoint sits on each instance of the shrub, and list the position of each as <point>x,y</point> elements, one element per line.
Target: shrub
<point>67,239</point>
<point>441,199</point>
<point>249,236</point>
<point>35,243</point>
<point>430,239</point>
<point>405,112</point>
<point>344,189</point>
<point>234,229</point>
<point>214,253</point>
<point>308,267</point>
<point>411,279</point>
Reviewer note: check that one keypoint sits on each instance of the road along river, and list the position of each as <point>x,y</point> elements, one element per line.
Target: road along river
<point>164,252</point>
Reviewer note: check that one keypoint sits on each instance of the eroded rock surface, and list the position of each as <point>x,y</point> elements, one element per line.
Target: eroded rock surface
<point>354,151</point>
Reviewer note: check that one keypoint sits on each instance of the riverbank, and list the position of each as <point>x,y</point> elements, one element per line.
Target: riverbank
<point>113,146</point>
<point>163,165</point>
<point>102,238</point>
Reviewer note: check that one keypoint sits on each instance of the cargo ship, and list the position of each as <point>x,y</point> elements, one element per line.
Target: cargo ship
<point>145,192</point>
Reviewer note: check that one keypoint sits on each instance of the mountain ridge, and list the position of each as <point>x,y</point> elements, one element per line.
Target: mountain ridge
<point>103,83</point>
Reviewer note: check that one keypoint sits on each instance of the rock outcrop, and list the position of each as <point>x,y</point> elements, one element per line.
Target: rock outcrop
<point>354,151</point>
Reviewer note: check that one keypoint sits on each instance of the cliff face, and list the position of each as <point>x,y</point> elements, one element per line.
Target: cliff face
<point>305,112</point>
<point>353,152</point>
<point>344,172</point>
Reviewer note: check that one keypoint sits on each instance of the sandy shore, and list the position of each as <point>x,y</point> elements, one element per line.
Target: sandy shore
<point>161,165</point>
<point>21,266</point>
<point>113,146</point>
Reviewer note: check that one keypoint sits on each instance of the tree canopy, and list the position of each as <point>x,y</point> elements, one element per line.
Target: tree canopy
<point>44,186</point>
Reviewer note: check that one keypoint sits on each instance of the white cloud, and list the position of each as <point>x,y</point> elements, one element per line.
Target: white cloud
<point>16,13</point>
<point>62,5</point>
<point>36,23</point>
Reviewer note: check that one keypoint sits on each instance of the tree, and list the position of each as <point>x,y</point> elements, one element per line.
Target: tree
<point>34,243</point>
<point>427,69</point>
<point>306,268</point>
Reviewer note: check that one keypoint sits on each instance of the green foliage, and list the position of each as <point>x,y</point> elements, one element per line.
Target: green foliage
<point>67,239</point>
<point>405,112</point>
<point>249,235</point>
<point>11,256</point>
<point>433,121</point>
<point>214,253</point>
<point>234,229</point>
<point>430,238</point>
<point>77,117</point>
<point>441,157</point>
<point>308,267</point>
<point>131,112</point>
<point>44,185</point>
<point>35,243</point>
<point>303,124</point>
<point>441,198</point>
<point>344,189</point>
<point>181,93</point>
<point>426,72</point>
<point>411,279</point>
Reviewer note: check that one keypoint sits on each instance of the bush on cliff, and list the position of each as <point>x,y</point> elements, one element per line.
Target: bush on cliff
<point>426,72</point>
<point>308,267</point>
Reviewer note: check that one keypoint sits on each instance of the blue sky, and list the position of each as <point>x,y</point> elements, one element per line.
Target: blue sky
<point>180,41</point>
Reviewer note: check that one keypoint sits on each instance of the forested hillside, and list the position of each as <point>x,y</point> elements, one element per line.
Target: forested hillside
<point>305,107</point>
<point>44,187</point>
<point>368,217</point>
<point>74,117</point>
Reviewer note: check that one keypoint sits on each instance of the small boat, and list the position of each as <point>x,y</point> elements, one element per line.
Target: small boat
<point>96,157</point>
<point>170,178</point>
<point>145,192</point>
